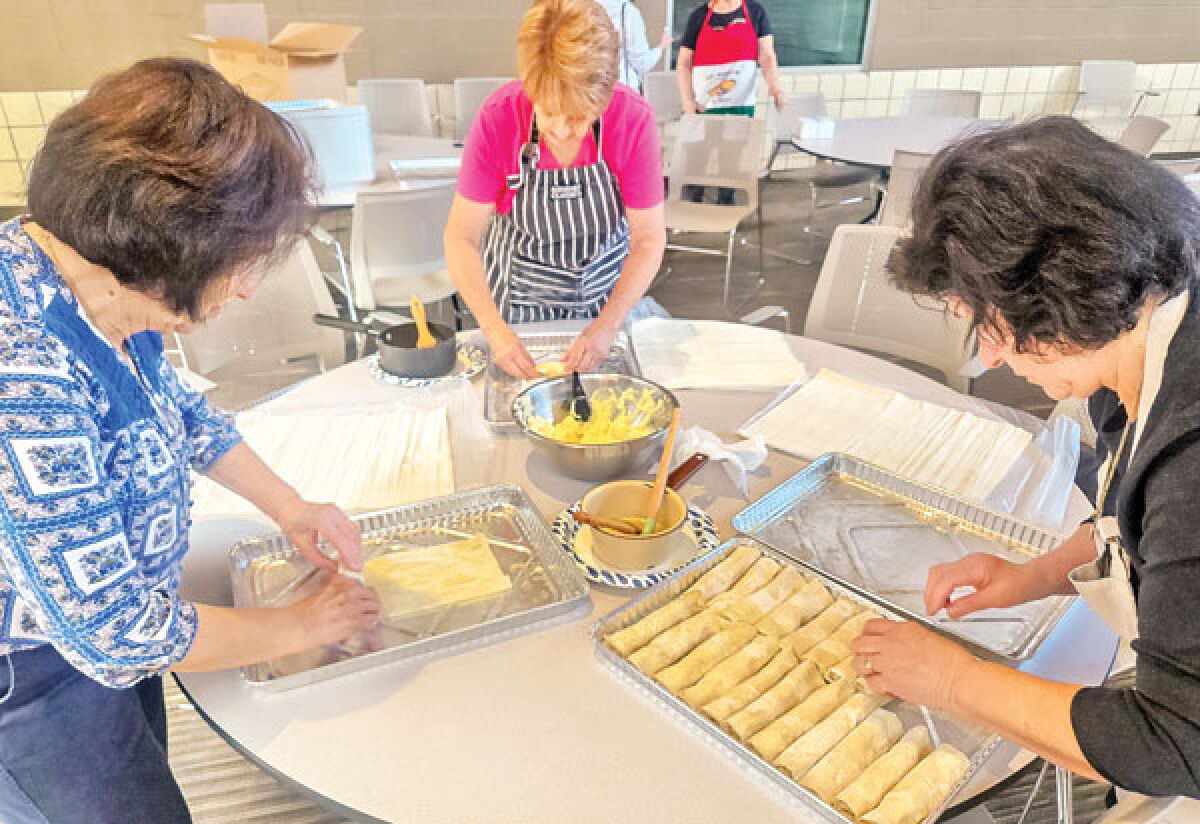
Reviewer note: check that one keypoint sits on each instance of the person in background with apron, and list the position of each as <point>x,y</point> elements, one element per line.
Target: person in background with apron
<point>1076,262</point>
<point>559,212</point>
<point>724,44</point>
<point>637,57</point>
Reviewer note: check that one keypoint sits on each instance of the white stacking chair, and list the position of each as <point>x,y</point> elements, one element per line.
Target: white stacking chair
<point>1142,133</point>
<point>855,304</point>
<point>1109,85</point>
<point>396,246</point>
<point>396,105</point>
<point>662,92</point>
<point>825,174</point>
<point>955,102</point>
<point>469,94</point>
<point>714,150</point>
<point>907,168</point>
<point>273,331</point>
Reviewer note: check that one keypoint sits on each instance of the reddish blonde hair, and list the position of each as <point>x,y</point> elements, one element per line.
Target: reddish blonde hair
<point>567,57</point>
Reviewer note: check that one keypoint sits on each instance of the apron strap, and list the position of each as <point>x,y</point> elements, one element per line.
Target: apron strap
<point>529,153</point>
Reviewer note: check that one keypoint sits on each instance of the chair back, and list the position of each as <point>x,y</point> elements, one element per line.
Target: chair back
<point>1142,133</point>
<point>907,168</point>
<point>955,102</point>
<point>272,327</point>
<point>717,150</point>
<point>1107,83</point>
<point>469,94</point>
<point>396,246</point>
<point>397,105</point>
<point>796,107</point>
<point>662,92</point>
<point>855,304</point>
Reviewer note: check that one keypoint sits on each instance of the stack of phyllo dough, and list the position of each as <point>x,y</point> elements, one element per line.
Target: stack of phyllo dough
<point>763,650</point>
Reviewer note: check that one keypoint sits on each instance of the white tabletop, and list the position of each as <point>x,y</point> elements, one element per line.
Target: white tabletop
<point>533,728</point>
<point>871,141</point>
<point>389,147</point>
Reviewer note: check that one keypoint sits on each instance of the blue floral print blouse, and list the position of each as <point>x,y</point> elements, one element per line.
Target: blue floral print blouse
<point>95,488</point>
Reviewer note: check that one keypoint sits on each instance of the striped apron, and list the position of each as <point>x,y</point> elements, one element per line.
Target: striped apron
<point>557,253</point>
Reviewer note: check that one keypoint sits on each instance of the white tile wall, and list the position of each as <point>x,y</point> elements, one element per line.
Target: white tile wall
<point>1008,91</point>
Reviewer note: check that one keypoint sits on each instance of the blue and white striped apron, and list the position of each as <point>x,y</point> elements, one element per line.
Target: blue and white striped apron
<point>559,250</point>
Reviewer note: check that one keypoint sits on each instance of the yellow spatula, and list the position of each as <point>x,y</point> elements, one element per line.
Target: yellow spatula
<point>424,339</point>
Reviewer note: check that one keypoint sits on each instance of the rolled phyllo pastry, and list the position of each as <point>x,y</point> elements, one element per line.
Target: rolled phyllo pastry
<point>793,688</point>
<point>865,792</point>
<point>662,619</point>
<point>744,693</point>
<point>853,754</point>
<point>751,608</point>
<point>676,642</point>
<point>827,654</point>
<point>821,627</point>
<point>853,628</point>
<point>922,789</point>
<point>800,607</point>
<point>732,671</point>
<point>692,667</point>
<point>722,576</point>
<point>780,733</point>
<point>808,749</point>
<point>757,576</point>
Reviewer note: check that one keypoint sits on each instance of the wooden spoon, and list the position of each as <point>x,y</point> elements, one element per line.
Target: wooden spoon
<point>606,523</point>
<point>660,479</point>
<point>425,340</point>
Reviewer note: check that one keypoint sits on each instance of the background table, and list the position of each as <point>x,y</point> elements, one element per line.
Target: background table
<point>871,141</point>
<point>389,147</point>
<point>533,728</point>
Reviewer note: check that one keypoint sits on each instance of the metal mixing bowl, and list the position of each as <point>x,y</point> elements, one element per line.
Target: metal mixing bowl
<point>550,399</point>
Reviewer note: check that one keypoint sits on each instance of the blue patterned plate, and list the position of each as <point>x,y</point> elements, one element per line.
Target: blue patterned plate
<point>468,363</point>
<point>698,536</point>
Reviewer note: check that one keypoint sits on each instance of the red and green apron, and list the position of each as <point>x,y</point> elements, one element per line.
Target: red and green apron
<point>725,66</point>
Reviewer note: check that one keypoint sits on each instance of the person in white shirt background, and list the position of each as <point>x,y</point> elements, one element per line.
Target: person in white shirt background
<point>637,57</point>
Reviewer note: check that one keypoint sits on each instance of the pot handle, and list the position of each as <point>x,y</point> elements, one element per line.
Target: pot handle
<point>342,323</point>
<point>684,472</point>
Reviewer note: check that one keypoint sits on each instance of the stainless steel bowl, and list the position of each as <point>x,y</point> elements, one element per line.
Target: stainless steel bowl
<point>550,399</point>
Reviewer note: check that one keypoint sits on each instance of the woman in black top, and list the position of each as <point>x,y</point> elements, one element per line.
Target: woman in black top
<point>1076,262</point>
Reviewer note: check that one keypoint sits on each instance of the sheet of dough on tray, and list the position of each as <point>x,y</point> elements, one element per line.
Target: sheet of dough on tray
<point>699,354</point>
<point>361,461</point>
<point>934,445</point>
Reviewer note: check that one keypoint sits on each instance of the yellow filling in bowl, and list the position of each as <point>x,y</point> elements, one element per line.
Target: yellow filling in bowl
<point>615,418</point>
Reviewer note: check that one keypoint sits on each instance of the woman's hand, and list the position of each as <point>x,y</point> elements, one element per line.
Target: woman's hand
<point>590,349</point>
<point>692,106</point>
<point>339,609</point>
<point>509,353</point>
<point>777,94</point>
<point>305,523</point>
<point>906,660</point>
<point>997,583</point>
<point>665,43</point>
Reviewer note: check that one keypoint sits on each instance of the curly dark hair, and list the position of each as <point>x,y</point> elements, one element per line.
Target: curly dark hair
<point>1049,233</point>
<point>172,179</point>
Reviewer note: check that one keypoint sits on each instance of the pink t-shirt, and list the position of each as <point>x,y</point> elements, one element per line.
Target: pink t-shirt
<point>629,135</point>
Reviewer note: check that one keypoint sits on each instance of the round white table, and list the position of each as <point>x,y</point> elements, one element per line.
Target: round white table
<point>534,728</point>
<point>871,141</point>
<point>406,150</point>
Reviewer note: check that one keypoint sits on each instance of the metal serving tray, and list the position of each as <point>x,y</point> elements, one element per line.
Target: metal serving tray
<point>879,534</point>
<point>545,583</point>
<point>502,388</point>
<point>974,741</point>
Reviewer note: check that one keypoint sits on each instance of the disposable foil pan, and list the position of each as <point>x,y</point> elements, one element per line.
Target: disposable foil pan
<point>974,741</point>
<point>501,388</point>
<point>879,534</point>
<point>270,572</point>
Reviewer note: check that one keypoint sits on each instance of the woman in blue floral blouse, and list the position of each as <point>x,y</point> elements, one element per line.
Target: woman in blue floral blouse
<point>155,200</point>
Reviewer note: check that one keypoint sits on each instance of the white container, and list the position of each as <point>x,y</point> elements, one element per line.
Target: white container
<point>815,128</point>
<point>340,138</point>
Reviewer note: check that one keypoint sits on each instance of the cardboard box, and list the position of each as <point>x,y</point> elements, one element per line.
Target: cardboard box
<point>302,61</point>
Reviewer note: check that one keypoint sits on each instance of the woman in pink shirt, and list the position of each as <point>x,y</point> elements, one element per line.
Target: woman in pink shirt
<point>559,208</point>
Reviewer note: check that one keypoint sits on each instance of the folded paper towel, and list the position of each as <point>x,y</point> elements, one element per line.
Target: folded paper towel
<point>738,458</point>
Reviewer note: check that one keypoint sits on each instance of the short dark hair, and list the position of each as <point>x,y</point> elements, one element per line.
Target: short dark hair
<point>172,179</point>
<point>1049,233</point>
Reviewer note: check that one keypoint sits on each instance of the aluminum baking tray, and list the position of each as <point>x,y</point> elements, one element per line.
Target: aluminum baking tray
<point>502,388</point>
<point>545,583</point>
<point>973,740</point>
<point>879,534</point>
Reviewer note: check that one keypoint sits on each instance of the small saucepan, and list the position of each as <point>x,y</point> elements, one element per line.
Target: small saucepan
<point>398,352</point>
